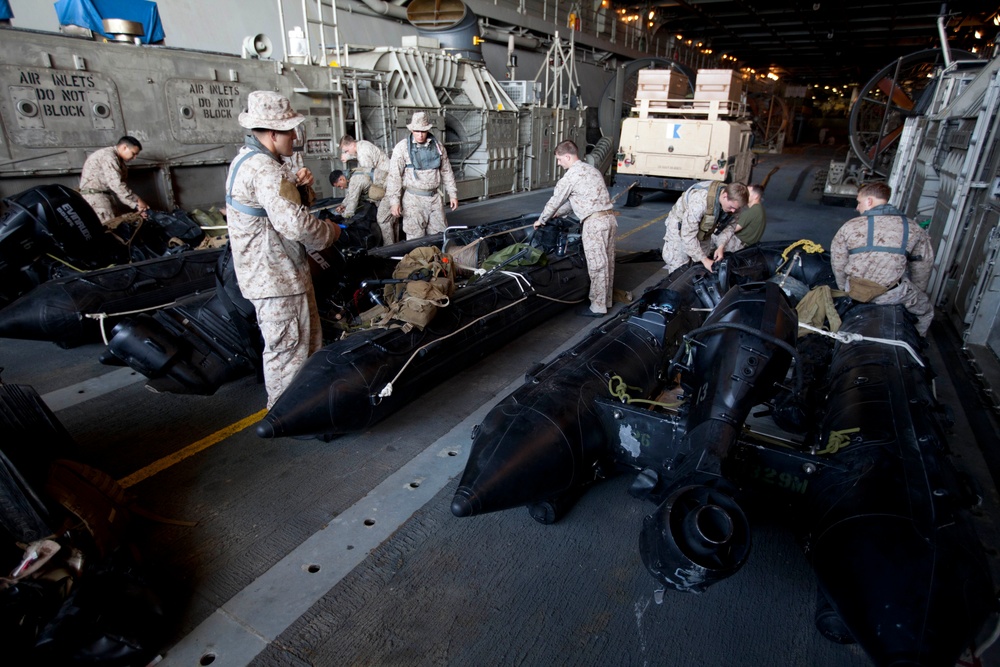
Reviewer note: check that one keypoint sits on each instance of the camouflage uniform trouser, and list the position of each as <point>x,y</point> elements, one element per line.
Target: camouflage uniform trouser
<point>599,231</point>
<point>914,300</point>
<point>422,215</point>
<point>103,206</point>
<point>674,255</point>
<point>291,329</point>
<point>386,222</point>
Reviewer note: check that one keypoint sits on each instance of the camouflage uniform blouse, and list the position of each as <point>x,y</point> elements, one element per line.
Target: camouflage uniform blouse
<point>403,178</point>
<point>105,172</point>
<point>580,190</point>
<point>375,163</point>
<point>883,267</point>
<point>687,212</point>
<point>269,252</point>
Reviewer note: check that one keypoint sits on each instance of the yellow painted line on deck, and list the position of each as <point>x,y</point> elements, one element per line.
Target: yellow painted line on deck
<point>190,450</point>
<point>642,227</point>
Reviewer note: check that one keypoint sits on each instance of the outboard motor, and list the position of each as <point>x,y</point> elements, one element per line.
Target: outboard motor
<point>50,219</point>
<point>699,534</point>
<point>195,347</point>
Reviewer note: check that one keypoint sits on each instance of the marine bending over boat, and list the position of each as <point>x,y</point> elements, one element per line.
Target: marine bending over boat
<point>582,191</point>
<point>367,181</point>
<point>690,214</point>
<point>102,179</point>
<point>882,257</point>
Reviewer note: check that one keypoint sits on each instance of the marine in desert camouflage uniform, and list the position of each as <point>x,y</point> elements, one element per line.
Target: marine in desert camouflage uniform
<point>102,179</point>
<point>269,233</point>
<point>582,191</point>
<point>884,247</point>
<point>418,167</point>
<point>680,242</point>
<point>373,165</point>
<point>747,230</point>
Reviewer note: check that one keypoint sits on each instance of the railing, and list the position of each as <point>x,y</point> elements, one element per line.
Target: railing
<point>603,23</point>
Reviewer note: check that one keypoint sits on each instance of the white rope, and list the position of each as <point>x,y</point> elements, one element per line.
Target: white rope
<point>387,389</point>
<point>102,317</point>
<point>847,337</point>
<point>522,282</point>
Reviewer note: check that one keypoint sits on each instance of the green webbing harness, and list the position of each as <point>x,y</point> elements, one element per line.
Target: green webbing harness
<point>884,209</point>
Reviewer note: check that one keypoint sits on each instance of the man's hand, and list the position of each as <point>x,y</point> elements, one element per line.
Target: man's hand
<point>142,207</point>
<point>708,263</point>
<point>304,177</point>
<point>539,223</point>
<point>396,210</point>
<point>340,209</point>
<point>453,203</point>
<point>719,252</point>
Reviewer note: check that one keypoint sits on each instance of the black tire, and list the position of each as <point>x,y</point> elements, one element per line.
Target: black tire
<point>634,198</point>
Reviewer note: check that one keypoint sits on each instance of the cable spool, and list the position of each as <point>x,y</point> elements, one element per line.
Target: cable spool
<point>467,258</point>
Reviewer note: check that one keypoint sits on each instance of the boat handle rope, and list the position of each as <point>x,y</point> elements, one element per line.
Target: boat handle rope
<point>518,277</point>
<point>619,391</point>
<point>102,317</point>
<point>805,244</point>
<point>848,337</point>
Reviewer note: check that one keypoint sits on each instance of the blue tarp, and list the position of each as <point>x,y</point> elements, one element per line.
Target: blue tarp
<point>90,13</point>
<point>5,11</point>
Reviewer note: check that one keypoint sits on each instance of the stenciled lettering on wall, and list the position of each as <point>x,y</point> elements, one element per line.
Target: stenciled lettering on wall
<point>53,107</point>
<point>58,94</point>
<point>203,111</point>
<point>216,100</point>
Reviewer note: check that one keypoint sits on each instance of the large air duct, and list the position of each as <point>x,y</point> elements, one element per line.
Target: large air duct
<point>453,24</point>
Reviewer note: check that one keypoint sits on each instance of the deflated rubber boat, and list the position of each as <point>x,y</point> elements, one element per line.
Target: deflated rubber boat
<point>360,379</point>
<point>69,310</point>
<point>847,445</point>
<point>50,232</point>
<point>206,341</point>
<point>68,302</point>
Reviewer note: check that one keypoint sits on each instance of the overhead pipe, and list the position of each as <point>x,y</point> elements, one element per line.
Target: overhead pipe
<point>503,37</point>
<point>945,51</point>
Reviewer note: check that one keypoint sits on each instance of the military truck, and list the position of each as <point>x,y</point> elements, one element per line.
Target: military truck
<point>673,141</point>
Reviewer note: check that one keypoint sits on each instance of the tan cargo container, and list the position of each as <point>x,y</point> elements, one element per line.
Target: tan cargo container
<point>718,84</point>
<point>662,85</point>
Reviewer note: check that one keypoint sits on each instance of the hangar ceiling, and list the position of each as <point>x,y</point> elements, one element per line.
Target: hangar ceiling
<point>820,41</point>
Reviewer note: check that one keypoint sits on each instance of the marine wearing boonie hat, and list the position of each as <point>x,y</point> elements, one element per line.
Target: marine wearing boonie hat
<point>420,122</point>
<point>270,111</point>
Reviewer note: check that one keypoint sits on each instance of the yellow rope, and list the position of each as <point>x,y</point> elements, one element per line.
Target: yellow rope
<point>838,440</point>
<point>620,392</point>
<point>806,244</point>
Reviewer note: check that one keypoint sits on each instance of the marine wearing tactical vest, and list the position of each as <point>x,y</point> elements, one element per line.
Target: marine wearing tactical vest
<point>701,209</point>
<point>418,168</point>
<point>882,257</point>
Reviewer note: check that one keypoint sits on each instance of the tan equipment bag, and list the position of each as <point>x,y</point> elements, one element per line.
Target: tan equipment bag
<point>865,290</point>
<point>429,282</point>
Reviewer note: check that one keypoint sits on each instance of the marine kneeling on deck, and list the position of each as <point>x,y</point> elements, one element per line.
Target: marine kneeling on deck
<point>882,257</point>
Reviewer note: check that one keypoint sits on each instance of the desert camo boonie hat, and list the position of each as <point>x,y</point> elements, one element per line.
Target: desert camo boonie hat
<point>420,122</point>
<point>271,111</point>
